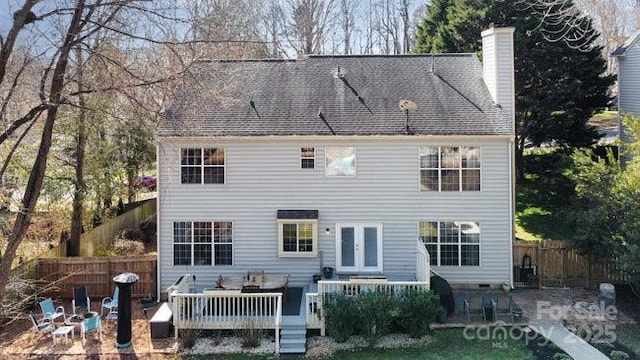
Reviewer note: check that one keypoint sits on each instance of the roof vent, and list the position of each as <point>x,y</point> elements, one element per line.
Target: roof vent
<point>253,106</point>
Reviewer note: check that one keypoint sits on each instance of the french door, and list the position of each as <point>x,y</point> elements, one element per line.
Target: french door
<point>359,247</point>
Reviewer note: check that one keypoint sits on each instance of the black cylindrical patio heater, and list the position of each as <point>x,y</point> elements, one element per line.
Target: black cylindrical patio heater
<point>124,282</point>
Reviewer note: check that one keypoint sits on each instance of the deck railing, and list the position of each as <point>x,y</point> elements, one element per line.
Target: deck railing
<point>423,262</point>
<point>352,287</point>
<point>312,314</point>
<point>227,310</point>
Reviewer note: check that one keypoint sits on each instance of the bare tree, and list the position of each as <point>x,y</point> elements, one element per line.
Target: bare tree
<point>146,52</point>
<point>406,26</point>
<point>615,20</point>
<point>307,26</point>
<point>348,9</point>
<point>232,20</point>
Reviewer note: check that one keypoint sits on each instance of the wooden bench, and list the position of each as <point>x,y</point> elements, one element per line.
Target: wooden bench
<point>160,323</point>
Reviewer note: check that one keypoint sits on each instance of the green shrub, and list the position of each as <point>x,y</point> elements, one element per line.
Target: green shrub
<point>619,355</point>
<point>561,356</point>
<point>377,311</point>
<point>417,310</point>
<point>604,347</point>
<point>341,316</point>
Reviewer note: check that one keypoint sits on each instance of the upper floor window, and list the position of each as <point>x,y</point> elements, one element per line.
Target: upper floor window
<point>451,242</point>
<point>202,243</point>
<point>307,158</point>
<point>449,168</point>
<point>202,166</point>
<point>340,161</point>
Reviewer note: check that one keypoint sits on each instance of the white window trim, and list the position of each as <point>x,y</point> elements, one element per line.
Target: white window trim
<point>314,158</point>
<point>358,228</point>
<point>459,244</point>
<point>355,165</point>
<point>213,243</point>
<point>460,168</point>
<point>202,165</point>
<point>297,254</point>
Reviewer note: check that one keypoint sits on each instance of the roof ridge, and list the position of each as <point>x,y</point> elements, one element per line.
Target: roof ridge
<point>391,55</point>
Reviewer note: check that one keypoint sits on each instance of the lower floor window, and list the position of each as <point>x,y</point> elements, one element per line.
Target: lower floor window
<point>454,243</point>
<point>297,238</point>
<point>203,243</point>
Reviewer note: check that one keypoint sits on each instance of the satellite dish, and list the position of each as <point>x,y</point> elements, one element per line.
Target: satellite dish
<point>408,105</point>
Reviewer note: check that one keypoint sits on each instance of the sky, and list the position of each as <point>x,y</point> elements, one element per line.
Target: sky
<point>5,15</point>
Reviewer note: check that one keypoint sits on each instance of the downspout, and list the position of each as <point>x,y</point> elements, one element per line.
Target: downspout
<point>512,201</point>
<point>158,227</point>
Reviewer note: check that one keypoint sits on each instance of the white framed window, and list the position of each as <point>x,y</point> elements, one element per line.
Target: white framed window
<point>451,243</point>
<point>203,243</point>
<point>340,161</point>
<point>297,238</point>
<point>449,168</point>
<point>202,166</point>
<point>307,158</point>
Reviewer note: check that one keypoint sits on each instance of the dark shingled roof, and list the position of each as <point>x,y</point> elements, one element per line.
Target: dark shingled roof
<point>335,95</point>
<point>627,44</point>
<point>297,214</point>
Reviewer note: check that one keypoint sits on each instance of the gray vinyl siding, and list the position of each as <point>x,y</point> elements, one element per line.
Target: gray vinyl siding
<point>265,176</point>
<point>505,78</point>
<point>629,83</point>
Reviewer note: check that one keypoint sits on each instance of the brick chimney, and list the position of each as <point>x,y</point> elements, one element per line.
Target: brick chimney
<point>497,67</point>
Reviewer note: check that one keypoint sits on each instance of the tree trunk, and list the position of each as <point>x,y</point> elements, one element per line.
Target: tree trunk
<point>34,184</point>
<point>79,191</point>
<point>520,160</point>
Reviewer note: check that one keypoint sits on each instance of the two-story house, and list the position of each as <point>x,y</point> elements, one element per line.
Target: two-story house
<point>628,58</point>
<point>343,161</point>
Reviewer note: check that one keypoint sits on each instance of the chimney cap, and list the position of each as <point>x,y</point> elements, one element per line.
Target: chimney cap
<point>493,29</point>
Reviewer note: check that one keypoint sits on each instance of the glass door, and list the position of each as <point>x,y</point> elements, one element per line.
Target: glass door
<point>359,247</point>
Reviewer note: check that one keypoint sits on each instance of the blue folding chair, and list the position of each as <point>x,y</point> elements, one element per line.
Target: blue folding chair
<point>90,324</point>
<point>111,304</point>
<point>50,312</point>
<point>44,326</point>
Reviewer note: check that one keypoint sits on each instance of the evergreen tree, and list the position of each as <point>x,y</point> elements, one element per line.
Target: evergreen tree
<point>558,84</point>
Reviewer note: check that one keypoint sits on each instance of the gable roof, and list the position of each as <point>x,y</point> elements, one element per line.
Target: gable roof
<point>627,44</point>
<point>335,95</point>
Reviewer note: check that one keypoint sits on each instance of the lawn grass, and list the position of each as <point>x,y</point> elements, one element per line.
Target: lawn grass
<point>544,195</point>
<point>447,344</point>
<point>628,336</point>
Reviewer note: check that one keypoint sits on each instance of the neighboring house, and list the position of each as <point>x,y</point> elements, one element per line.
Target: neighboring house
<point>341,161</point>
<point>628,56</point>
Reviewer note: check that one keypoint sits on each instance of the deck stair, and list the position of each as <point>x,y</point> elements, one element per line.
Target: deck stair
<point>293,335</point>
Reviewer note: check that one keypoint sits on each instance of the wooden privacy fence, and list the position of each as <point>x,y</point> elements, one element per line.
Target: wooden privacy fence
<point>102,235</point>
<point>97,274</point>
<point>557,263</point>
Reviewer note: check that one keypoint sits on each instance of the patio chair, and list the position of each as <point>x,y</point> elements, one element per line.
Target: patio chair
<point>49,311</point>
<point>474,306</point>
<point>503,306</point>
<point>90,324</point>
<point>111,304</point>
<point>80,299</point>
<point>43,326</point>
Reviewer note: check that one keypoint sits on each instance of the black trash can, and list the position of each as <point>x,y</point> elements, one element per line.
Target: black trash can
<point>124,282</point>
